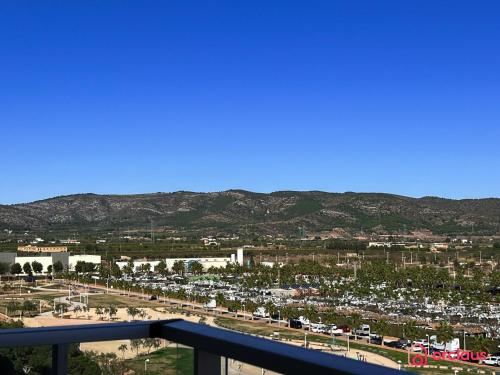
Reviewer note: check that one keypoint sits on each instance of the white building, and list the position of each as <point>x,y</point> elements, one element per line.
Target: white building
<point>68,261</point>
<point>206,262</point>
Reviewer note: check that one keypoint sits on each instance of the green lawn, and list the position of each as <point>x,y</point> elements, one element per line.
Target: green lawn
<point>164,361</point>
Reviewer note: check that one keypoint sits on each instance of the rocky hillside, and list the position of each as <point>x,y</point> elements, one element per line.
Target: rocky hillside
<point>236,210</point>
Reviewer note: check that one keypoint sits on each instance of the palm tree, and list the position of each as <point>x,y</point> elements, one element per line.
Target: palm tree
<point>410,330</point>
<point>99,311</point>
<point>76,310</point>
<point>196,268</point>
<point>132,311</point>
<point>270,309</point>
<point>251,307</point>
<point>355,322</point>
<point>123,348</point>
<point>135,344</point>
<point>444,332</point>
<point>382,328</point>
<point>112,311</point>
<point>480,344</point>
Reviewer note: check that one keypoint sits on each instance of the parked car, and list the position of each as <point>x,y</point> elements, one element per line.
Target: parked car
<point>399,344</point>
<point>492,361</point>
<point>317,327</point>
<point>377,340</point>
<point>364,330</point>
<point>295,323</point>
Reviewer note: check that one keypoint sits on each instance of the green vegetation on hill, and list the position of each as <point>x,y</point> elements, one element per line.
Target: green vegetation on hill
<point>234,211</point>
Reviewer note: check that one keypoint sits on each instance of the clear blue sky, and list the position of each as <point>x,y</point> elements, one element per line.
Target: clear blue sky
<point>143,96</point>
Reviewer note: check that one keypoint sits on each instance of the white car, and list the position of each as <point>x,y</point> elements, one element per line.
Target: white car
<point>492,361</point>
<point>317,327</point>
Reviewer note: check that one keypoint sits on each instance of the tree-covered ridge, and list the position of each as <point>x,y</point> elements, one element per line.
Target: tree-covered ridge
<point>241,211</point>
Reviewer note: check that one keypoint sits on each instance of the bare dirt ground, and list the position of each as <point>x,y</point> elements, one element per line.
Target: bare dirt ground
<point>121,315</point>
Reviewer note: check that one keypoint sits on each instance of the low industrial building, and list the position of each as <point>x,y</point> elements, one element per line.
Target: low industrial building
<point>206,262</point>
<point>42,249</point>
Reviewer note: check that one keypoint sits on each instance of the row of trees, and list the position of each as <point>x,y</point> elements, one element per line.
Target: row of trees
<point>109,311</point>
<point>20,308</point>
<point>30,268</point>
<point>179,268</point>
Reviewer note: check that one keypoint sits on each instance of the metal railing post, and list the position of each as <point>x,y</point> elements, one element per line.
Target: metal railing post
<point>60,359</point>
<point>206,363</point>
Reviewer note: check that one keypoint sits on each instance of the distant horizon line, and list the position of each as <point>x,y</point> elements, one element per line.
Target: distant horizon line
<point>248,191</point>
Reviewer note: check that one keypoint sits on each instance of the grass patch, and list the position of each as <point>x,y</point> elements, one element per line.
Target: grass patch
<point>164,361</point>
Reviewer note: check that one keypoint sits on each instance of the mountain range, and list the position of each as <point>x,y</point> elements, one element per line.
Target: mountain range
<point>236,211</point>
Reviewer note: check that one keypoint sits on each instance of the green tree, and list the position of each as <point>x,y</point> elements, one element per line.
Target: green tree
<point>37,266</point>
<point>132,311</point>
<point>4,268</point>
<point>220,300</point>
<point>16,269</point>
<point>381,327</point>
<point>355,321</point>
<point>135,344</point>
<point>57,267</point>
<point>179,267</point>
<point>123,348</point>
<point>410,330</point>
<point>444,332</point>
<point>271,309</point>
<point>196,268</point>
<point>479,344</point>
<point>99,310</point>
<point>27,269</point>
<point>79,266</point>
<point>12,307</point>
<point>28,306</point>
<point>146,267</point>
<point>161,268</point>
<point>116,272</point>
<point>112,310</point>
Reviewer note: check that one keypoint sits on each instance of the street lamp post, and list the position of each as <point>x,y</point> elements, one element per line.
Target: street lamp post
<point>428,343</point>
<point>146,361</point>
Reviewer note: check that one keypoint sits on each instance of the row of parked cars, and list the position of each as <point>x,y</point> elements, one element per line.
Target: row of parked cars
<point>329,329</point>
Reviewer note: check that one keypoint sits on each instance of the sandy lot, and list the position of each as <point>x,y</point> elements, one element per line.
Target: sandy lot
<point>108,346</point>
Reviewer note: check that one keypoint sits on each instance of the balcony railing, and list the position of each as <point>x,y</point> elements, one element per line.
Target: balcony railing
<point>211,346</point>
